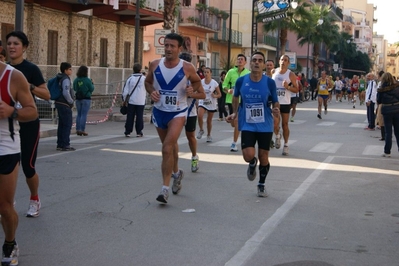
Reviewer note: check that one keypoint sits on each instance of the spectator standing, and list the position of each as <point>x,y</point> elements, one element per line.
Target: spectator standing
<point>388,97</point>
<point>134,87</point>
<point>379,117</point>
<point>83,87</point>
<point>200,72</point>
<point>17,44</point>
<point>371,99</point>
<point>64,106</point>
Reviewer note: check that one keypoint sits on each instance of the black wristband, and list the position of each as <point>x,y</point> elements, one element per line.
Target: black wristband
<point>32,87</point>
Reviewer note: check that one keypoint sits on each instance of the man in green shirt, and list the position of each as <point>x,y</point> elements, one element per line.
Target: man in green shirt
<point>228,87</point>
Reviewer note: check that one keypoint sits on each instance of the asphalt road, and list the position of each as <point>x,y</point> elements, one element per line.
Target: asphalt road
<point>333,200</point>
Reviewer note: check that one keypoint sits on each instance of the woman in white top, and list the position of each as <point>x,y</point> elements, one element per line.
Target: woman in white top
<point>209,104</point>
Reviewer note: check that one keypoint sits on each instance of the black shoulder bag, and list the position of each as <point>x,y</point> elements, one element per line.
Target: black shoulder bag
<point>125,103</point>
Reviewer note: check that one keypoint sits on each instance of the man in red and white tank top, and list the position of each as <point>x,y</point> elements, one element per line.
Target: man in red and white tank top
<point>13,88</point>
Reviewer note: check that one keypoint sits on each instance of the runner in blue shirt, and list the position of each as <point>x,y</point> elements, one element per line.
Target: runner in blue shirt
<point>255,118</point>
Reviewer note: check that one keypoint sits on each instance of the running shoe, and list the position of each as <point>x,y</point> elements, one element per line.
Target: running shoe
<point>325,110</point>
<point>262,191</point>
<point>194,164</point>
<point>271,144</point>
<point>12,260</point>
<point>319,116</point>
<point>163,196</point>
<point>208,139</point>
<point>233,147</point>
<point>386,155</point>
<point>200,133</point>
<point>176,187</point>
<point>251,172</point>
<point>34,208</point>
<point>292,119</point>
<point>285,150</point>
<point>278,141</point>
<point>68,148</point>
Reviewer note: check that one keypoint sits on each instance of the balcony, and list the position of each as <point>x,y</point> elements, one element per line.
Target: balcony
<point>267,40</point>
<point>393,54</point>
<point>200,19</point>
<point>223,36</point>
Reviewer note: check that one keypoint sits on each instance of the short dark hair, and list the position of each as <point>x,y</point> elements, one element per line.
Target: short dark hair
<point>175,36</point>
<point>223,73</point>
<point>259,53</point>
<point>64,66</point>
<point>186,56</point>
<point>136,68</point>
<point>82,72</point>
<point>20,35</point>
<point>242,55</point>
<point>269,60</point>
<point>3,52</point>
<point>381,73</point>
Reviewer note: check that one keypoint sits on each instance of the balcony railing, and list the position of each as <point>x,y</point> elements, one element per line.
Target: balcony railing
<point>149,4</point>
<point>223,35</point>
<point>201,18</point>
<point>268,40</point>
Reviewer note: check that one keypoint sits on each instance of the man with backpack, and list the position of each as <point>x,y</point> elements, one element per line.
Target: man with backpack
<point>64,104</point>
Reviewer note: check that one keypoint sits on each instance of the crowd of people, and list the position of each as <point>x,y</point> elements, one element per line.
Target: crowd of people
<point>261,101</point>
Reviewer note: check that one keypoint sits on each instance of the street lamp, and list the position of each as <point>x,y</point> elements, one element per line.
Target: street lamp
<point>319,22</point>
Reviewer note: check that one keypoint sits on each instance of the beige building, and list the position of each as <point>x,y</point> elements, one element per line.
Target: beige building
<point>96,34</point>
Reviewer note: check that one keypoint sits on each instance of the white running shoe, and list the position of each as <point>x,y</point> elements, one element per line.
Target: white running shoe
<point>208,139</point>
<point>277,143</point>
<point>34,208</point>
<point>233,147</point>
<point>285,150</point>
<point>200,133</point>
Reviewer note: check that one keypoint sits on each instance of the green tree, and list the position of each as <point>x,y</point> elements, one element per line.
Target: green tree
<point>170,12</point>
<point>343,48</point>
<point>317,29</point>
<point>289,23</point>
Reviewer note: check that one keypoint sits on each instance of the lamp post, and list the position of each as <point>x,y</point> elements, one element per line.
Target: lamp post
<point>230,33</point>
<point>137,33</point>
<point>19,15</point>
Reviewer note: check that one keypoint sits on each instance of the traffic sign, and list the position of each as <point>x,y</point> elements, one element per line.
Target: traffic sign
<point>335,67</point>
<point>160,37</point>
<point>159,50</point>
<point>340,70</point>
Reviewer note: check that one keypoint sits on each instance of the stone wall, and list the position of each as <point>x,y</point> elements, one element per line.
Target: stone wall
<point>78,35</point>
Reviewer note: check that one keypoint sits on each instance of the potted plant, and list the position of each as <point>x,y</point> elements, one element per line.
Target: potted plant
<point>191,19</point>
<point>213,10</point>
<point>201,7</point>
<point>223,14</point>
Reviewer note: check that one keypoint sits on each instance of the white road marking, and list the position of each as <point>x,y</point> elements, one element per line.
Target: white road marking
<point>358,125</point>
<point>326,147</point>
<point>67,152</point>
<point>373,150</point>
<point>253,244</point>
<point>135,139</point>
<point>326,124</point>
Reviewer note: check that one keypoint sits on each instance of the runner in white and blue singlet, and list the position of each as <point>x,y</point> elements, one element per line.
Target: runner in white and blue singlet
<point>166,83</point>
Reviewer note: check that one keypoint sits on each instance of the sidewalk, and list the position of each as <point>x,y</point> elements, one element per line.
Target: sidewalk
<point>49,129</point>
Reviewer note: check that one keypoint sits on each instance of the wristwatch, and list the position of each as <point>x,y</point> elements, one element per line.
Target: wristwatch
<point>14,114</point>
<point>32,87</point>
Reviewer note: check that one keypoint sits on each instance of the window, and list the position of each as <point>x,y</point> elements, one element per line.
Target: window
<point>357,34</point>
<point>103,52</point>
<point>186,3</point>
<point>126,55</point>
<point>52,47</point>
<point>5,29</point>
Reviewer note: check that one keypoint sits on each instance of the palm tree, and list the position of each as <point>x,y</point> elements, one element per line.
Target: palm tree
<point>315,32</point>
<point>289,23</point>
<point>169,14</point>
<point>344,47</point>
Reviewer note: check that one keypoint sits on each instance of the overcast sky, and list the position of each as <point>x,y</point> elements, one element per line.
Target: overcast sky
<point>387,14</point>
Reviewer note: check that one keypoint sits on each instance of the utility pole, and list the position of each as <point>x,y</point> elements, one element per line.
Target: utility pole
<point>19,15</point>
<point>137,33</point>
